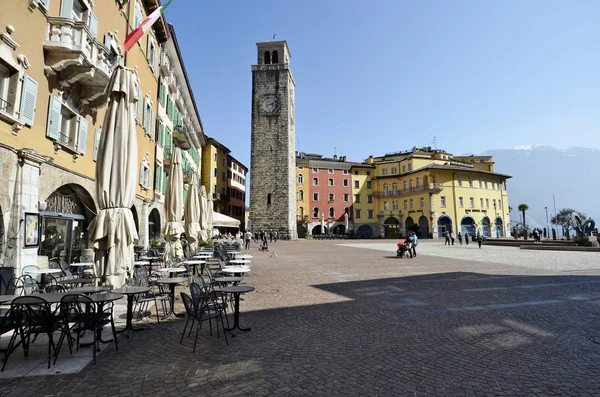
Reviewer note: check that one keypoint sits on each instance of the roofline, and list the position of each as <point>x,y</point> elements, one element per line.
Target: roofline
<point>238,162</point>
<point>443,169</point>
<point>214,142</point>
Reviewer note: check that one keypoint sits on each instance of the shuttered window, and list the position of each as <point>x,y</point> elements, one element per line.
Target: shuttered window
<point>82,135</point>
<point>53,127</point>
<point>94,25</point>
<point>28,101</point>
<point>96,143</point>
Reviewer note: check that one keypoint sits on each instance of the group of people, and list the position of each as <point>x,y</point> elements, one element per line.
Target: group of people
<point>449,235</point>
<point>537,235</point>
<point>409,245</point>
<point>263,238</point>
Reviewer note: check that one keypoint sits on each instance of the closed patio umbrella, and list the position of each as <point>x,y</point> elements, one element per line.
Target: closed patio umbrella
<point>203,215</point>
<point>322,223</point>
<point>346,222</point>
<point>192,215</point>
<point>113,229</point>
<point>209,216</point>
<point>174,209</point>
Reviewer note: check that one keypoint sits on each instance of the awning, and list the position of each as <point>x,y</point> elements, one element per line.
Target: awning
<point>224,220</point>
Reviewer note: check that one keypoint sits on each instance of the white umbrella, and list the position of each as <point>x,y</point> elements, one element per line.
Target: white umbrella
<point>346,222</point>
<point>322,223</point>
<point>113,230</point>
<point>209,216</point>
<point>192,215</point>
<point>174,209</point>
<point>203,215</point>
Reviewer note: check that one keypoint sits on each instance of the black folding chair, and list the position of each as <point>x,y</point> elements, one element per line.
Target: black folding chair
<point>200,312</point>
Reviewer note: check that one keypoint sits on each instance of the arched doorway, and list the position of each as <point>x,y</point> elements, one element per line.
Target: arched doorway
<point>423,227</point>
<point>444,225</point>
<point>467,226</point>
<point>364,231</point>
<point>410,225</point>
<point>339,229</point>
<point>64,223</point>
<point>154,225</point>
<point>486,226</point>
<point>391,227</point>
<point>135,219</point>
<point>317,230</point>
<point>499,227</point>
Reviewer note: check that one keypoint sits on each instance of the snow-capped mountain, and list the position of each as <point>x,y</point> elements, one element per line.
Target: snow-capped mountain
<point>540,171</point>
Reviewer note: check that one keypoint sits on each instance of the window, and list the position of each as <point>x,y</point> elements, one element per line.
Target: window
<point>487,203</point>
<point>443,201</point>
<point>315,181</point>
<point>358,214</point>
<point>368,173</point>
<point>470,182</point>
<point>148,122</point>
<point>137,16</point>
<point>97,143</point>
<point>346,198</point>
<point>481,203</point>
<point>345,172</point>
<point>395,204</point>
<point>223,161</point>
<point>459,180</point>
<point>268,199</point>
<point>300,179</point>
<point>368,184</point>
<point>224,176</point>
<point>145,175</point>
<point>411,204</point>
<point>370,214</point>
<point>315,212</point>
<point>409,167</point>
<point>500,203</point>
<point>346,183</point>
<point>386,205</point>
<point>300,212</point>
<point>494,185</point>
<point>460,202</point>
<point>404,185</point>
<point>66,127</point>
<point>410,185</point>
<point>330,171</point>
<point>418,182</point>
<point>9,86</point>
<point>330,181</point>
<point>355,172</point>
<point>331,212</point>
<point>356,184</point>
<point>480,183</point>
<point>485,183</point>
<point>315,196</point>
<point>494,203</point>
<point>315,170</point>
<point>385,189</point>
<point>151,53</point>
<point>370,198</point>
<point>384,171</point>
<point>393,170</point>
<point>331,197</point>
<point>422,202</point>
<point>471,202</point>
<point>357,198</point>
<point>215,158</point>
<point>403,168</point>
<point>394,188</point>
<point>299,167</point>
<point>215,172</point>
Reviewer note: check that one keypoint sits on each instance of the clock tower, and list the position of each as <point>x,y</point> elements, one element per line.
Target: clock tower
<point>273,146</point>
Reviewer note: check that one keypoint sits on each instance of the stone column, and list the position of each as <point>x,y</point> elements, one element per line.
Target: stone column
<point>25,199</point>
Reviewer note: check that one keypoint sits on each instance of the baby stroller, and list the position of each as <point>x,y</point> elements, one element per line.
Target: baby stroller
<point>403,249</point>
<point>264,245</point>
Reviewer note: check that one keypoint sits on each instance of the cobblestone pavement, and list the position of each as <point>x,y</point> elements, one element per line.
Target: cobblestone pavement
<point>334,320</point>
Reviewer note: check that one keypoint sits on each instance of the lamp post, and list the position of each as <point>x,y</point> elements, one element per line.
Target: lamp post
<point>547,224</point>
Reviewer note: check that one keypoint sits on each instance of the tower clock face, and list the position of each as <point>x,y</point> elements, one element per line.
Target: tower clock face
<point>269,105</point>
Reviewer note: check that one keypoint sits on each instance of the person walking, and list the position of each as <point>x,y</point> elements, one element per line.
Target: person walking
<point>459,236</point>
<point>447,241</point>
<point>248,239</point>
<point>451,237</point>
<point>271,236</point>
<point>275,236</point>
<point>415,242</point>
<point>467,238</point>
<point>479,239</point>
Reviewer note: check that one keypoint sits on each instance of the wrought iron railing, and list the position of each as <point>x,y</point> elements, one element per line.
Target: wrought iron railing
<point>410,191</point>
<point>4,105</point>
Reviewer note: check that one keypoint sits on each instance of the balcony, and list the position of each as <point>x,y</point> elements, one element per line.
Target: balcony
<point>167,155</point>
<point>76,57</point>
<point>181,136</point>
<point>165,63</point>
<point>179,98</point>
<point>172,82</point>
<point>429,188</point>
<point>187,173</point>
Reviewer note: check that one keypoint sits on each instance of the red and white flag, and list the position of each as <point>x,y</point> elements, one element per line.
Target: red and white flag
<point>144,27</point>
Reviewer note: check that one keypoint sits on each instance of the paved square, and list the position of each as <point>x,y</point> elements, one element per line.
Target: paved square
<point>347,318</point>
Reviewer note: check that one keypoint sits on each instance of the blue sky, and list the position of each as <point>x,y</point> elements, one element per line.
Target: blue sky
<point>380,76</point>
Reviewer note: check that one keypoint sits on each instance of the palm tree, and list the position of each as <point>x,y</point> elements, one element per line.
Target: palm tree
<point>523,208</point>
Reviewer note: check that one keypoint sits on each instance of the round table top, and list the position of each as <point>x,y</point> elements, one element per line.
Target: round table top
<point>89,290</point>
<point>243,256</point>
<point>108,297</point>
<point>82,264</point>
<point>131,290</point>
<point>172,269</point>
<point>8,298</point>
<point>233,252</point>
<point>150,258</point>
<point>239,261</point>
<point>174,280</point>
<point>75,281</point>
<point>237,289</point>
<point>56,297</point>
<point>141,263</point>
<point>194,262</point>
<point>235,269</point>
<point>229,279</point>
<point>43,271</point>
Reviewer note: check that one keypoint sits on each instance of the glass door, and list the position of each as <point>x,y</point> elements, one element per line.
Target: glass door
<point>56,238</point>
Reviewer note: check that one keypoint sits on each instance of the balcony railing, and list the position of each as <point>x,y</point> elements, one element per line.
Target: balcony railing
<point>165,62</point>
<point>4,105</point>
<point>74,55</point>
<point>181,136</point>
<point>167,155</point>
<point>431,187</point>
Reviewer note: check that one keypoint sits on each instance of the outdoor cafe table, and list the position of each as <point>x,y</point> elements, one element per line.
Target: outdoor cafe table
<point>237,291</point>
<point>75,281</point>
<point>87,290</point>
<point>243,256</point>
<point>42,272</point>
<point>130,291</point>
<point>172,270</point>
<point>150,259</point>
<point>195,262</point>
<point>236,270</point>
<point>172,283</point>
<point>239,261</point>
<point>229,279</point>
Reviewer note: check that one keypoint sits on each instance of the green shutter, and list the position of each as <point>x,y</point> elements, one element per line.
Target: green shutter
<point>148,53</point>
<point>66,9</point>
<point>160,91</point>
<point>53,127</point>
<point>151,126</point>
<point>164,183</point>
<point>82,135</point>
<point>96,143</point>
<point>28,100</point>
<point>94,25</point>
<point>157,177</point>
<point>159,137</point>
<point>142,174</point>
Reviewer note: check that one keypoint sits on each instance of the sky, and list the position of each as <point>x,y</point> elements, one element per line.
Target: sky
<point>385,75</point>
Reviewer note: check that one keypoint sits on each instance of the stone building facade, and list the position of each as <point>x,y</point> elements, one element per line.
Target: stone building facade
<point>273,154</point>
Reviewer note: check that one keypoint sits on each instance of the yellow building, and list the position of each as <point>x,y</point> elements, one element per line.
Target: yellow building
<point>302,195</point>
<point>214,173</point>
<point>431,191</point>
<point>364,210</point>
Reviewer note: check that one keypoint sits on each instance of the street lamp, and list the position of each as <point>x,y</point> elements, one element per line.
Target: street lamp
<point>547,224</point>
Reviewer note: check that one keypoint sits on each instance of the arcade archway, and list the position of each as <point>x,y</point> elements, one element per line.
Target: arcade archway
<point>486,227</point>
<point>423,227</point>
<point>364,231</point>
<point>467,226</point>
<point>392,228</point>
<point>444,225</point>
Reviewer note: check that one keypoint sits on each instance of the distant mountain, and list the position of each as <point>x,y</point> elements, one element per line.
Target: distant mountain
<point>540,171</point>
